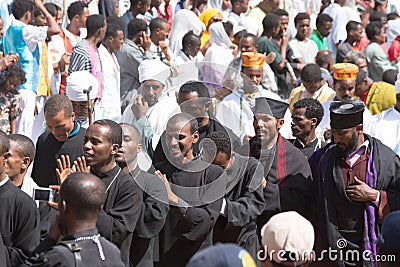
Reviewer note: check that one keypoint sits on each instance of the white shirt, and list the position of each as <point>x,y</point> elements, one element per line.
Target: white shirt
<point>306,49</point>
<point>32,34</point>
<point>109,106</point>
<point>386,127</point>
<point>235,111</point>
<point>4,181</point>
<point>340,20</point>
<point>28,185</point>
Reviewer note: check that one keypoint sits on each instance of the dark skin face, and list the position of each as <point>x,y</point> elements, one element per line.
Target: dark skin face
<point>346,140</point>
<point>381,38</point>
<point>131,146</point>
<point>80,109</point>
<point>284,20</point>
<point>301,125</point>
<point>266,128</point>
<point>325,29</point>
<point>247,45</point>
<point>193,49</point>
<point>222,160</point>
<point>312,87</point>
<point>303,29</point>
<point>180,140</point>
<point>253,77</point>
<point>191,104</point>
<point>12,83</point>
<point>59,125</point>
<point>151,91</point>
<point>357,34</point>
<point>117,41</point>
<point>345,89</point>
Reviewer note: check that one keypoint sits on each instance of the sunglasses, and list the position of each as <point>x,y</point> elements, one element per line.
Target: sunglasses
<point>216,20</point>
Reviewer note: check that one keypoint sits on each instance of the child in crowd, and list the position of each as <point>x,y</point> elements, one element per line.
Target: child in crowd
<point>10,99</point>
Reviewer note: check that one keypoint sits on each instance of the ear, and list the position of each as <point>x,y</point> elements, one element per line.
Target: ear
<point>73,116</point>
<point>360,128</point>
<point>196,137</point>
<point>114,149</point>
<point>280,123</point>
<point>62,206</point>
<point>314,121</point>
<point>6,155</point>
<point>26,161</point>
<point>139,148</point>
<point>207,105</point>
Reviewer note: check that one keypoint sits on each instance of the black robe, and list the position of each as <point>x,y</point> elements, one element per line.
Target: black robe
<point>121,209</point>
<point>50,253</point>
<point>153,213</point>
<point>289,180</point>
<point>189,226</point>
<point>335,215</point>
<point>244,202</point>
<point>4,260</point>
<point>213,126</point>
<point>19,223</point>
<point>310,148</point>
<point>48,150</point>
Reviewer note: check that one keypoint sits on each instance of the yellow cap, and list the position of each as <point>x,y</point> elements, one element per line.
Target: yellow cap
<point>345,71</point>
<point>253,60</point>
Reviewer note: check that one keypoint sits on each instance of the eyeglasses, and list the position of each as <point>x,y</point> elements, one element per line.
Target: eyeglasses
<point>216,20</point>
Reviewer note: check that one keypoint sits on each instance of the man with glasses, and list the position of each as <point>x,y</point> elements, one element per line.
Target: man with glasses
<point>152,107</point>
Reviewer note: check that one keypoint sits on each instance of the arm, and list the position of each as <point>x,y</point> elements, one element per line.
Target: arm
<point>53,27</point>
<point>117,222</point>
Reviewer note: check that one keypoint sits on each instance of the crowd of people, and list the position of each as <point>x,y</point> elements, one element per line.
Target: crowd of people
<point>200,133</point>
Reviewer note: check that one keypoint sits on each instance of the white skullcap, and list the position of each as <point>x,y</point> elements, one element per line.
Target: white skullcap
<point>79,81</point>
<point>153,69</point>
<point>397,84</point>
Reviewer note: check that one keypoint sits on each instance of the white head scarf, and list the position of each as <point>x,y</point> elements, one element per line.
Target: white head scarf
<point>153,69</point>
<point>79,81</point>
<point>218,35</point>
<point>397,84</point>
<point>250,24</point>
<point>184,21</point>
<point>392,31</point>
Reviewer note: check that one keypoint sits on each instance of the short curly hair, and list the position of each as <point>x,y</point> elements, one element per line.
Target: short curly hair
<point>313,107</point>
<point>221,141</point>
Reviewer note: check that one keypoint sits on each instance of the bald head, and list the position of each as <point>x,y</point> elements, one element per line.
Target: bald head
<point>323,58</point>
<point>83,193</point>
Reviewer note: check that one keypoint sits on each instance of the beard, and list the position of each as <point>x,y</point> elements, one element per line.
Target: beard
<point>346,150</point>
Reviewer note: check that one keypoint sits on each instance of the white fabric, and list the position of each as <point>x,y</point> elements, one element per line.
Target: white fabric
<point>153,69</point>
<point>157,115</point>
<point>250,24</point>
<point>218,35</point>
<point>187,69</point>
<point>26,119</point>
<point>307,50</point>
<point>79,81</point>
<point>229,110</point>
<point>184,21</point>
<point>4,181</point>
<point>215,4</point>
<point>386,127</point>
<point>28,185</point>
<point>325,123</point>
<point>392,31</point>
<point>340,20</point>
<point>397,84</point>
<point>393,6</point>
<point>32,34</point>
<point>109,106</point>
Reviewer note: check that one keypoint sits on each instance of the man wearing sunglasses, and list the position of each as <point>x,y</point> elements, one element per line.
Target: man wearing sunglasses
<point>150,109</point>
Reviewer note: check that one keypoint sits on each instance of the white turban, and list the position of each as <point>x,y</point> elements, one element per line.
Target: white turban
<point>397,84</point>
<point>79,81</point>
<point>153,69</point>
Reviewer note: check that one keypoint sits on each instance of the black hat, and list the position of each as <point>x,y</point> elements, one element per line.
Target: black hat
<point>346,114</point>
<point>271,107</point>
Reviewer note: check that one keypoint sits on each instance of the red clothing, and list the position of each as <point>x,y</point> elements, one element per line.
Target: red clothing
<point>167,13</point>
<point>68,48</point>
<point>363,98</point>
<point>365,41</point>
<point>394,49</point>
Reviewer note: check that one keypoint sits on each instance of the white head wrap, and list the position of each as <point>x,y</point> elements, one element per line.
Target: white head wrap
<point>218,35</point>
<point>79,81</point>
<point>184,21</point>
<point>153,69</point>
<point>397,84</point>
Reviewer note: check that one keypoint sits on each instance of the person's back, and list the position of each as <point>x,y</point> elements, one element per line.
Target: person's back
<point>81,198</point>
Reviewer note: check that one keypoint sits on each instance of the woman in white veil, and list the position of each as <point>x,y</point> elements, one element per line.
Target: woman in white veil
<point>184,21</point>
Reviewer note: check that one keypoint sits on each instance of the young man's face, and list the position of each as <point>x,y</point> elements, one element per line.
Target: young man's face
<point>266,127</point>
<point>247,45</point>
<point>59,125</point>
<point>284,23</point>
<point>179,140</point>
<point>346,140</point>
<point>40,20</point>
<point>82,18</point>
<point>15,162</point>
<point>253,76</point>
<point>193,105</point>
<point>117,41</point>
<point>301,125</point>
<point>97,148</point>
<point>130,146</point>
<point>59,17</point>
<point>326,28</point>
<point>345,89</point>
<point>303,28</point>
<point>151,91</point>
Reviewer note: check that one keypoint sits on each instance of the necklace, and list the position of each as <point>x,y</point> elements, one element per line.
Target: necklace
<point>115,177</point>
<point>96,240</point>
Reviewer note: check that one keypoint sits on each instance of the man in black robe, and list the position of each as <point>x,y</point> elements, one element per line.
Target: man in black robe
<point>195,192</point>
<point>194,99</point>
<point>154,208</point>
<point>63,136</point>
<point>356,183</point>
<point>81,198</point>
<point>286,170</point>
<point>243,200</point>
<point>19,217</point>
<point>121,209</point>
<point>307,113</point>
